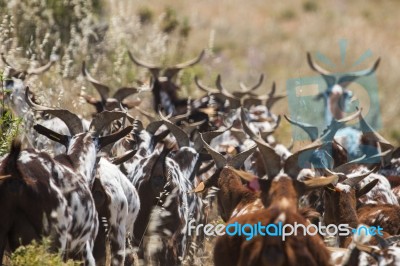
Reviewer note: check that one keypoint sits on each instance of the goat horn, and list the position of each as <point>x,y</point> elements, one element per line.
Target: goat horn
<point>141,63</point>
<point>314,66</point>
<point>203,87</point>
<point>353,76</point>
<point>207,183</point>
<point>351,117</point>
<point>106,140</point>
<point>238,160</point>
<point>124,92</point>
<point>191,62</point>
<point>271,160</point>
<point>357,179</point>
<point>181,137</point>
<point>72,121</point>
<point>222,90</point>
<point>104,119</point>
<point>175,67</point>
<point>40,70</point>
<point>219,159</point>
<point>271,100</point>
<point>320,182</point>
<point>246,90</point>
<point>266,133</point>
<point>146,114</point>
<point>102,89</point>
<point>372,135</point>
<point>54,136</point>
<point>312,131</point>
<point>153,126</point>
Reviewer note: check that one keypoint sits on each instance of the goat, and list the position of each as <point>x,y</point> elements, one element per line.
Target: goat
<point>109,103</point>
<point>337,94</point>
<point>164,89</point>
<point>119,205</point>
<point>32,203</point>
<point>80,162</point>
<point>162,182</point>
<point>279,196</point>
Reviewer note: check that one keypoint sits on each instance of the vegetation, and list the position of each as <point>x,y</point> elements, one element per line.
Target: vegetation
<point>9,124</point>
<point>242,41</point>
<point>37,254</point>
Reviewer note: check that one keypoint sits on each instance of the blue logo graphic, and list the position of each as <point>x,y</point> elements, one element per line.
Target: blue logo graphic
<point>318,99</point>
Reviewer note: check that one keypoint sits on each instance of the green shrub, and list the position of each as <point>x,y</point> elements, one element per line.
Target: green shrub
<point>9,124</point>
<point>37,254</point>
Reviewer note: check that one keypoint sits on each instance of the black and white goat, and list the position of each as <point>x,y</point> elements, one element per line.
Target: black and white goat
<point>73,173</point>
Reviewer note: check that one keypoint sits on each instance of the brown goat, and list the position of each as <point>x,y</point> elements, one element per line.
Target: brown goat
<point>279,196</point>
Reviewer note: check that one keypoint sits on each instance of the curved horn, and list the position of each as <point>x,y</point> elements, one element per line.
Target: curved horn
<point>191,62</point>
<point>141,63</point>
<point>190,127</point>
<point>320,182</point>
<point>357,179</point>
<point>153,126</point>
<point>314,66</point>
<point>146,114</point>
<point>204,88</point>
<point>234,102</point>
<point>353,76</point>
<point>219,159</point>
<point>266,133</point>
<point>72,121</point>
<point>312,131</point>
<point>124,157</point>
<point>238,160</point>
<point>272,99</point>
<point>124,92</point>
<point>271,160</point>
<point>102,120</point>
<point>246,90</point>
<point>372,135</point>
<point>222,90</point>
<point>181,137</point>
<point>102,89</point>
<point>40,70</point>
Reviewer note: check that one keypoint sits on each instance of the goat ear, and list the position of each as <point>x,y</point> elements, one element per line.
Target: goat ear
<point>365,189</point>
<point>63,139</point>
<point>104,141</point>
<point>99,194</point>
<point>396,153</point>
<point>315,183</point>
<point>211,181</point>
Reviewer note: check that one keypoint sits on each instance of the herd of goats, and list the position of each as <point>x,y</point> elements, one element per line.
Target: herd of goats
<point>114,185</point>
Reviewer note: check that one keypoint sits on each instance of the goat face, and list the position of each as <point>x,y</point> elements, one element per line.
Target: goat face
<point>164,89</point>
<point>337,96</point>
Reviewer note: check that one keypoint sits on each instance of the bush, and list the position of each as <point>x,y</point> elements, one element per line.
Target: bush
<point>9,124</point>
<point>37,254</point>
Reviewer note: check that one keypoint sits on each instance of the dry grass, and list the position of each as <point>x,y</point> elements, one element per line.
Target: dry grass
<point>260,36</point>
<point>244,39</point>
